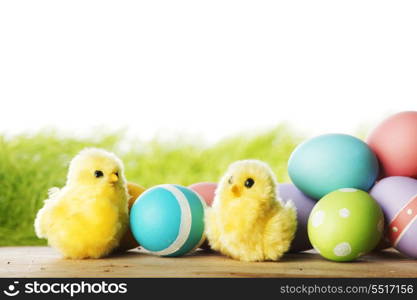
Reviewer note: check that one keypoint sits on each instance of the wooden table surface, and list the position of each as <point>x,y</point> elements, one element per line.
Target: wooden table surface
<point>46,262</point>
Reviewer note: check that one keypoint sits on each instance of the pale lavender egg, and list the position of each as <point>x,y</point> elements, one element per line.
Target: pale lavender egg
<point>397,197</point>
<point>304,205</point>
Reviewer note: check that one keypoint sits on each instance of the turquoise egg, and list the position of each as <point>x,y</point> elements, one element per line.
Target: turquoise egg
<point>330,162</point>
<point>168,220</point>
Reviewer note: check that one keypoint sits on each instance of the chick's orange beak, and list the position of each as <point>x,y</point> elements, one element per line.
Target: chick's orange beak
<point>113,178</point>
<point>236,190</point>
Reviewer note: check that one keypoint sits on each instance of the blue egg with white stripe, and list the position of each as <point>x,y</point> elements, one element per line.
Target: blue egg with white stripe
<point>168,220</point>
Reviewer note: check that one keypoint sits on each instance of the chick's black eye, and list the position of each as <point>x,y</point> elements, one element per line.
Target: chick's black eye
<point>98,173</point>
<point>230,180</point>
<point>249,183</point>
<point>117,174</point>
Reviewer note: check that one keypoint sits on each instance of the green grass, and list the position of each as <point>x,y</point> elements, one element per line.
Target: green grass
<point>30,165</point>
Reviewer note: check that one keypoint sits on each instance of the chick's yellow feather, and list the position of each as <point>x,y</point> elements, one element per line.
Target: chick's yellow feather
<point>246,221</point>
<point>88,217</point>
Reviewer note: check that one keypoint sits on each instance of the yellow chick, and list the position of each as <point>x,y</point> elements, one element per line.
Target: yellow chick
<point>89,215</point>
<point>247,221</point>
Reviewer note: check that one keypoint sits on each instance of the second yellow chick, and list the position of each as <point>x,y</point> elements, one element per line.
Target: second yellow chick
<point>247,221</point>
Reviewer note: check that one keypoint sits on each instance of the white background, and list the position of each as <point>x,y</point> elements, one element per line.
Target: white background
<point>205,68</point>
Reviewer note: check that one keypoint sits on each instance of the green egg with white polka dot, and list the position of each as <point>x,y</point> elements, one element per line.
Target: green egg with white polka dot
<point>345,224</point>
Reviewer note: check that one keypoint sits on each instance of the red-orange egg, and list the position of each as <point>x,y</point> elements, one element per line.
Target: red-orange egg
<point>394,142</point>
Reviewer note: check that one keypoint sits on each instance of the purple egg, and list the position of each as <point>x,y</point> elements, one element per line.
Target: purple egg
<point>397,196</point>
<point>304,205</point>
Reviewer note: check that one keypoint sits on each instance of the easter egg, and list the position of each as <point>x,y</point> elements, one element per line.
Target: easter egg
<point>128,241</point>
<point>304,205</point>
<point>397,197</point>
<point>329,162</point>
<point>394,142</point>
<point>345,224</point>
<point>205,190</point>
<point>168,220</point>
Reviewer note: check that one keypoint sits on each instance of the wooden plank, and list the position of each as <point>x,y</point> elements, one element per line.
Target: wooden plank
<point>45,262</point>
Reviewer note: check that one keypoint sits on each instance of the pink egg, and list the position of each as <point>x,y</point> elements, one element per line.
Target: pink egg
<point>397,197</point>
<point>205,190</point>
<point>394,142</point>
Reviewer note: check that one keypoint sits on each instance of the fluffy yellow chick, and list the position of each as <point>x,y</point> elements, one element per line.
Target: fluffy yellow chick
<point>247,221</point>
<point>89,215</point>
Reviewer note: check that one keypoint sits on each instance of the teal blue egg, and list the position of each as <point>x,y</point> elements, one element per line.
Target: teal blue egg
<point>333,161</point>
<point>168,220</point>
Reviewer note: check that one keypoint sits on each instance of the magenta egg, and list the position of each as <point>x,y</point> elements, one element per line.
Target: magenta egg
<point>397,197</point>
<point>205,190</point>
<point>304,205</point>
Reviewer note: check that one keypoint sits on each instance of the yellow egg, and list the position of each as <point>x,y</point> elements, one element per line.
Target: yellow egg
<point>128,241</point>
